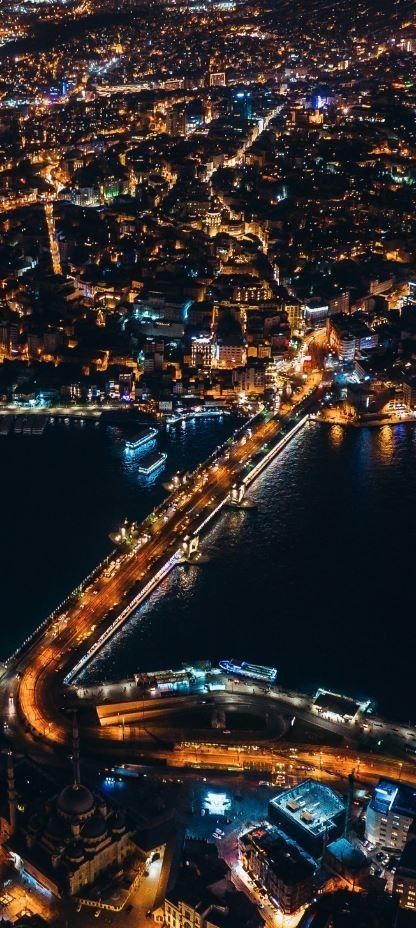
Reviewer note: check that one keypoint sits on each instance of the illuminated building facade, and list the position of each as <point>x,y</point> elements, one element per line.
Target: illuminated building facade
<point>389,815</point>
<point>404,883</point>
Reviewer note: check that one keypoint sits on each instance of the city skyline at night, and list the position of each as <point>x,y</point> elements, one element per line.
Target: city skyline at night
<point>207,420</point>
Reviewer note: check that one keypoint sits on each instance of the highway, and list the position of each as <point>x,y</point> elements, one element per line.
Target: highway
<point>42,665</point>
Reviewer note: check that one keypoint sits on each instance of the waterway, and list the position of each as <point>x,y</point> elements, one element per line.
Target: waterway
<point>318,580</point>
<point>62,493</point>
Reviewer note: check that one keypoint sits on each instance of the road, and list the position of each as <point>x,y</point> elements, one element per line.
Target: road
<point>32,685</point>
<point>43,664</point>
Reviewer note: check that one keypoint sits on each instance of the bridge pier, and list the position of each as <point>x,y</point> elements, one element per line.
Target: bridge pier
<point>237,497</point>
<point>190,546</point>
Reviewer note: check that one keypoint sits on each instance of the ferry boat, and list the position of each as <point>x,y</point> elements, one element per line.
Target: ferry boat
<point>151,462</point>
<point>142,438</point>
<point>253,671</point>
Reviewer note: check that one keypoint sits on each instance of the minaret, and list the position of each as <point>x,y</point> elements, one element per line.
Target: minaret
<point>11,792</point>
<point>350,797</point>
<point>75,752</point>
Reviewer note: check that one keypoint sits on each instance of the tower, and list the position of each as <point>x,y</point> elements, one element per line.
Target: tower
<point>11,792</point>
<point>75,752</point>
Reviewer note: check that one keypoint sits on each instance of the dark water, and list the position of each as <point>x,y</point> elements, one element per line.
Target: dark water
<point>61,494</point>
<point>318,581</point>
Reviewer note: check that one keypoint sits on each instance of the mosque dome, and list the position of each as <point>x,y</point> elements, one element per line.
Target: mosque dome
<point>75,800</point>
<point>94,829</point>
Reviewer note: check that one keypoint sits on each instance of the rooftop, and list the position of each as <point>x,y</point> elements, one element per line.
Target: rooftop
<point>285,857</point>
<point>337,704</point>
<point>311,806</point>
<point>203,884</point>
<point>348,854</point>
<point>399,797</point>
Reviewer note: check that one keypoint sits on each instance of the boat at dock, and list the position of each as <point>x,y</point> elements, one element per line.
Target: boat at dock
<point>140,439</point>
<point>152,462</point>
<point>253,671</point>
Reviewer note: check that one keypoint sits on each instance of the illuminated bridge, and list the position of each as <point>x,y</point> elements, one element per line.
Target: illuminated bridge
<point>54,654</point>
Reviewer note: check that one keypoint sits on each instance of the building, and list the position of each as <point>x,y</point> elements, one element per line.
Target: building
<point>348,335</point>
<point>367,399</point>
<point>285,870</point>
<point>66,843</point>
<point>404,883</point>
<point>204,896</point>
<point>409,392</point>
<point>252,378</point>
<point>347,909</point>
<point>201,351</point>
<point>295,314</point>
<point>389,815</point>
<point>217,79</point>
<point>229,352</point>
<point>315,311</point>
<point>338,708</point>
<point>311,813</point>
<point>347,860</point>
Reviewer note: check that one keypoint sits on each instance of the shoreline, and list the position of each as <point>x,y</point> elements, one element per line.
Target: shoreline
<point>364,423</point>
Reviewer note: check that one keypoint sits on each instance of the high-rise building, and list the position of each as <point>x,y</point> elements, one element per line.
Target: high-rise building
<point>389,815</point>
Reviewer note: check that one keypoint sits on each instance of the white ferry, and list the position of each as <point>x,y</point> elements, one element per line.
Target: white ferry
<point>142,438</point>
<point>252,671</point>
<point>151,462</point>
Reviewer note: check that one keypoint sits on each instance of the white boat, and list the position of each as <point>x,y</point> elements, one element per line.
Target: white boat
<point>142,438</point>
<point>253,671</point>
<point>151,462</point>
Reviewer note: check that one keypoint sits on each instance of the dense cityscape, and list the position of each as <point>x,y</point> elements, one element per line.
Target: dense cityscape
<point>207,216</point>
